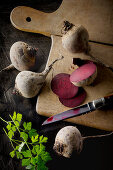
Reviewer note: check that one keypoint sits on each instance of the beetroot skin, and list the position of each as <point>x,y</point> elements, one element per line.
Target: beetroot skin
<point>62,86</point>
<point>76,100</point>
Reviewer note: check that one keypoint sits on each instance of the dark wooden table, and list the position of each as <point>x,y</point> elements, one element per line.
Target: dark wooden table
<point>97,154</point>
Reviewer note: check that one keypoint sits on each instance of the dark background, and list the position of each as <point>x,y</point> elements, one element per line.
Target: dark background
<point>97,154</point>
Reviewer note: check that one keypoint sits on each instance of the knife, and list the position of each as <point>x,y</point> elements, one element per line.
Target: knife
<point>81,110</point>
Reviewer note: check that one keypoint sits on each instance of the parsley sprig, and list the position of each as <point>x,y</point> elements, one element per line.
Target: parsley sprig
<point>30,149</point>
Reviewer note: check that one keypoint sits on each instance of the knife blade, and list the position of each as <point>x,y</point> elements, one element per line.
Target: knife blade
<point>80,110</point>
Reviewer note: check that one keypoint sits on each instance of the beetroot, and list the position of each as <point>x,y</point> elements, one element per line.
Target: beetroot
<point>76,100</point>
<point>62,86</point>
<point>84,75</point>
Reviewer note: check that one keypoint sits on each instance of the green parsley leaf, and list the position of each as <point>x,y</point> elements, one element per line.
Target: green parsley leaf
<point>24,135</point>
<point>29,124</point>
<point>44,140</point>
<point>25,125</point>
<point>40,139</point>
<point>34,138</point>
<point>42,148</point>
<point>14,116</point>
<point>12,154</point>
<point>46,157</point>
<point>37,149</point>
<point>40,164</point>
<point>10,134</point>
<point>27,153</point>
<point>33,160</point>
<point>17,123</point>
<point>25,162</point>
<point>33,150</point>
<point>32,132</point>
<point>33,168</point>
<point>9,126</point>
<point>13,128</point>
<point>19,117</point>
<point>19,155</point>
<point>17,148</point>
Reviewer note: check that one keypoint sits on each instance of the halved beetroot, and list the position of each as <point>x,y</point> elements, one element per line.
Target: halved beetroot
<point>84,75</point>
<point>76,100</point>
<point>62,86</point>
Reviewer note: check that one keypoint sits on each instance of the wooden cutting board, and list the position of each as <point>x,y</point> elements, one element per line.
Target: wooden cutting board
<point>48,103</point>
<point>95,15</point>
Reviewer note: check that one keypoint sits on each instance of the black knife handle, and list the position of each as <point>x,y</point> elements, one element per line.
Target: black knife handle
<point>98,103</point>
<point>109,99</point>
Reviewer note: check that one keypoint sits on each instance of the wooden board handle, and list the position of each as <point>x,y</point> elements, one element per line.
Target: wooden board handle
<point>96,16</point>
<point>31,20</point>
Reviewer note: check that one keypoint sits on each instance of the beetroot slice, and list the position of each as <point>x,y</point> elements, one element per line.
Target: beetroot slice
<point>62,86</point>
<point>83,72</point>
<point>75,101</point>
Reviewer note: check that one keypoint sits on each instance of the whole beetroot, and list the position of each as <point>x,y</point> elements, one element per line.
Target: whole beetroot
<point>22,56</point>
<point>67,140</point>
<point>28,83</point>
<point>75,38</point>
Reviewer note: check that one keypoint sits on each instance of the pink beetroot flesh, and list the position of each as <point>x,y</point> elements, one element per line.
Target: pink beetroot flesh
<point>83,72</point>
<point>75,101</point>
<point>62,86</point>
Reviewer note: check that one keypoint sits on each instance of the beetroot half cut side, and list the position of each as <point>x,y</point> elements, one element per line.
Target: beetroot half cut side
<point>62,86</point>
<point>75,101</point>
<point>84,75</point>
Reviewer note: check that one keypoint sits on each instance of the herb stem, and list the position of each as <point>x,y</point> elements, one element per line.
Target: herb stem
<point>21,129</point>
<point>3,120</point>
<point>15,140</point>
<point>9,138</point>
<point>20,132</point>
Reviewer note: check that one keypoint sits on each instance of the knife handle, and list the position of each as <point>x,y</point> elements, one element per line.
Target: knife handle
<point>103,101</point>
<point>109,96</point>
<point>109,99</point>
<point>98,103</point>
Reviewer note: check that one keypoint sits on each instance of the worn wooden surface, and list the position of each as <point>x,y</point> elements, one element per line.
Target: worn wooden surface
<point>96,16</point>
<point>97,153</point>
